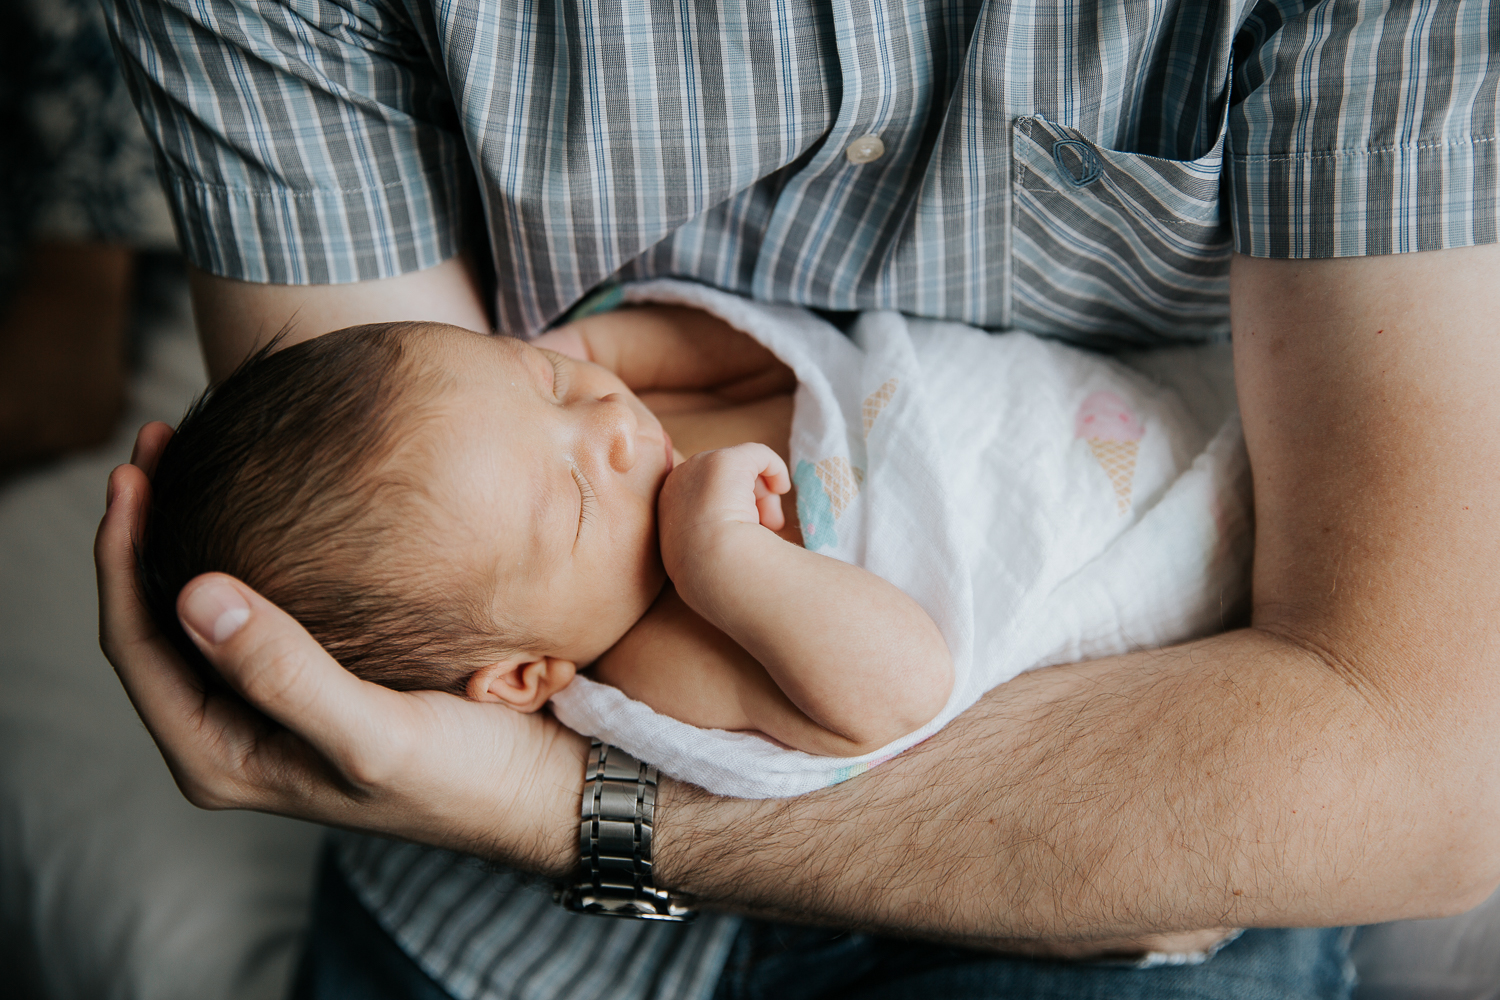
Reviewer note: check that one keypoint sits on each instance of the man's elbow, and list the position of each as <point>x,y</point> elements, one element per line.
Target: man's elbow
<point>1422,769</point>
<point>1466,897</point>
<point>1462,866</point>
<point>1453,886</point>
<point>1450,844</point>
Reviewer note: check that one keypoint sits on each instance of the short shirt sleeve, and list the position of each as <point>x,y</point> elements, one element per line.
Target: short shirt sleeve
<point>306,142</point>
<point>1365,127</point>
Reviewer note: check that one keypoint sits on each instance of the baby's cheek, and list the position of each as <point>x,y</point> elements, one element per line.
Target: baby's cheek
<point>646,548</point>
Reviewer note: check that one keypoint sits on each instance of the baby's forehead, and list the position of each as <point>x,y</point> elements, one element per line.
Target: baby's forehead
<point>469,357</point>
<point>477,436</point>
<point>468,433</point>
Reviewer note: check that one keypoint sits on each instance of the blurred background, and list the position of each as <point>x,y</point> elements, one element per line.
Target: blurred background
<point>80,214</point>
<point>111,885</point>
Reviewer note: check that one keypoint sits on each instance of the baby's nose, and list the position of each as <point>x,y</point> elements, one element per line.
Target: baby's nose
<point>619,425</point>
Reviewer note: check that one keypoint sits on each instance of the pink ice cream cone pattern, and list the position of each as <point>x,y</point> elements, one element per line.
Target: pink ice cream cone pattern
<point>1113,433</point>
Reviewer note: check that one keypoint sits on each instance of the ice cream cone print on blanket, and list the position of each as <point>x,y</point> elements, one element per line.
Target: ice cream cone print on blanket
<point>1113,433</point>
<point>840,481</point>
<point>875,402</point>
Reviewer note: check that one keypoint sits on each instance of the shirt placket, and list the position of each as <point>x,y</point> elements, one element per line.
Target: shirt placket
<point>827,215</point>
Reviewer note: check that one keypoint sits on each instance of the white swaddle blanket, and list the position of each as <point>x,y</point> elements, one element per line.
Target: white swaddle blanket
<point>1044,505</point>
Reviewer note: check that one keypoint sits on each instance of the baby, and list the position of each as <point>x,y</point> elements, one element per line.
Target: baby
<point>451,511</point>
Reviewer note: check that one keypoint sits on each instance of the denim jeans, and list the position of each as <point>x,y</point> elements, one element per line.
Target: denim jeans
<point>349,957</point>
<point>774,962</point>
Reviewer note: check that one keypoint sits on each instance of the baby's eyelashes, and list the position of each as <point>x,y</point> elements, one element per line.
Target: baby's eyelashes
<point>557,373</point>
<point>586,500</point>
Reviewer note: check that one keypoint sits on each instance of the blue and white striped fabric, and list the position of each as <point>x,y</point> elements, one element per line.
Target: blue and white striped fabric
<point>1052,167</point>
<point>487,934</point>
<point>1073,168</point>
<point>1366,128</point>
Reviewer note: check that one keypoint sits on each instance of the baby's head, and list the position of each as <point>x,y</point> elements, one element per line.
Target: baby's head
<point>440,509</point>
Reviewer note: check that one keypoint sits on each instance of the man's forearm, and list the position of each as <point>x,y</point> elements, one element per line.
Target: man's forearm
<point>1334,764</point>
<point>1070,804</point>
<point>234,318</point>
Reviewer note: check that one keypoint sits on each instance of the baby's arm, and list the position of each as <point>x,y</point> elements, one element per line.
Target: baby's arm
<point>851,652</point>
<point>673,349</point>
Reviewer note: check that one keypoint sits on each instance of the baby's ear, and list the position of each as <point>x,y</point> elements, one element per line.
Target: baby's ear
<point>524,681</point>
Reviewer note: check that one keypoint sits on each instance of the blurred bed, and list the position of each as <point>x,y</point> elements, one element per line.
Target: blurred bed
<point>112,886</point>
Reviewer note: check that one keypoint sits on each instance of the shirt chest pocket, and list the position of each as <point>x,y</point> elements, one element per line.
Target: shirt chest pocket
<point>1115,249</point>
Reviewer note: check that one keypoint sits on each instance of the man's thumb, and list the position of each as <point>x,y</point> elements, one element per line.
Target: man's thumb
<point>213,609</point>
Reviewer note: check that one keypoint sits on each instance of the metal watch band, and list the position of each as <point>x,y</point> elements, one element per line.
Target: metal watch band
<point>614,841</point>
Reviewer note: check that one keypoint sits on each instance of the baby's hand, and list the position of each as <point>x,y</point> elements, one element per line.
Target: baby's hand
<point>718,490</point>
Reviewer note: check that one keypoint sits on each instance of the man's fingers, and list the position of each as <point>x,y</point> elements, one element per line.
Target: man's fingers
<point>164,690</point>
<point>122,618</point>
<point>271,660</point>
<point>313,741</point>
<point>149,442</point>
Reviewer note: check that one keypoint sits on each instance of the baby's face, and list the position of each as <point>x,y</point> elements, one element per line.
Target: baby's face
<point>545,471</point>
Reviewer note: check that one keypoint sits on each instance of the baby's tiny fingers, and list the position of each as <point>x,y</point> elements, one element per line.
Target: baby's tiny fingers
<point>769,508</point>
<point>776,479</point>
<point>772,470</point>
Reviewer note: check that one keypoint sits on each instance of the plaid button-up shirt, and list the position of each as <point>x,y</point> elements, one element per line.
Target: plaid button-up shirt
<point>1078,169</point>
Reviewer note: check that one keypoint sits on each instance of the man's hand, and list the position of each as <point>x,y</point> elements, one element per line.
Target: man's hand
<point>324,745</point>
<point>310,740</point>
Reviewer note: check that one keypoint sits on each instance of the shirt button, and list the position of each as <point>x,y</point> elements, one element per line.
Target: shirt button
<point>866,149</point>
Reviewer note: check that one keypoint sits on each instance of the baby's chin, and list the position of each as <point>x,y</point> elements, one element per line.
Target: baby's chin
<point>624,628</point>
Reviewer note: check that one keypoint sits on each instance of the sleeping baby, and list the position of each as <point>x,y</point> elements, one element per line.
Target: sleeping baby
<point>450,511</point>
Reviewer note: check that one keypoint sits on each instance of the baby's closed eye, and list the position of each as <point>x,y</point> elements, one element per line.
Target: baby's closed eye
<point>587,501</point>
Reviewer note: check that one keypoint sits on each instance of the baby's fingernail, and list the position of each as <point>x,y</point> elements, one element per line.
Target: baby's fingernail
<point>215,610</point>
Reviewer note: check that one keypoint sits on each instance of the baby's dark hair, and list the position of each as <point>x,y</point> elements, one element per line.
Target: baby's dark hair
<point>279,476</point>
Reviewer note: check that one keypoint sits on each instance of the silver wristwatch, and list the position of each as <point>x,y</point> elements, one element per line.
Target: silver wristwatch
<point>614,840</point>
